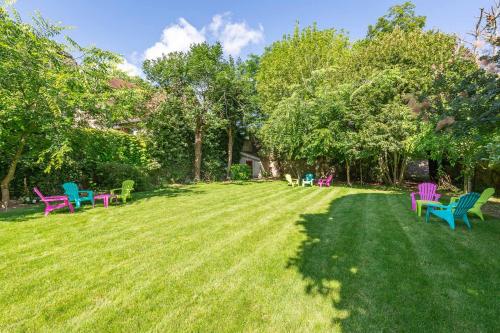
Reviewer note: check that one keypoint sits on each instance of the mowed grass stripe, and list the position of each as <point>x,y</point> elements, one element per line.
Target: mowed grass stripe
<point>98,256</point>
<point>385,249</point>
<point>150,281</point>
<point>54,221</point>
<point>125,272</point>
<point>258,257</point>
<point>55,274</point>
<point>436,244</point>
<point>240,284</point>
<point>94,230</point>
<point>234,272</point>
<point>80,220</point>
<point>321,268</point>
<point>320,264</point>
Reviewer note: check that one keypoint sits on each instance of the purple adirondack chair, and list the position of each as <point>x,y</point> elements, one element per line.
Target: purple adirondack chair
<point>426,191</point>
<point>325,181</point>
<point>48,200</point>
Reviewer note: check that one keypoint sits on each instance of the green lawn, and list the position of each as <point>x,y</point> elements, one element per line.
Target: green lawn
<point>258,257</point>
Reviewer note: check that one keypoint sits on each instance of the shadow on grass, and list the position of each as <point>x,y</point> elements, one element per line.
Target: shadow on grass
<point>168,191</point>
<point>384,269</point>
<point>23,214</point>
<point>244,182</point>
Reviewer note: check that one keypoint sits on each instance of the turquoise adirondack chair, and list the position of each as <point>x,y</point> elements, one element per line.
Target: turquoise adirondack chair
<point>488,193</point>
<point>73,193</point>
<point>453,210</point>
<point>308,179</point>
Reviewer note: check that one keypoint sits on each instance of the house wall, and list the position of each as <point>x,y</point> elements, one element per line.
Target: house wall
<point>256,166</point>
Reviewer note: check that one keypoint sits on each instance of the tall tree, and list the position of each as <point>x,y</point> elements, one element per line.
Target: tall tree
<point>191,77</point>
<point>44,91</point>
<point>235,95</point>
<point>292,61</point>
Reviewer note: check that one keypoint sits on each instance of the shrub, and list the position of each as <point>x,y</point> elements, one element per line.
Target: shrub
<point>98,159</point>
<point>240,172</point>
<point>111,175</point>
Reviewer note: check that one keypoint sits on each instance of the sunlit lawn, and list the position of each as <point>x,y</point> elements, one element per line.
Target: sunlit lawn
<point>259,257</point>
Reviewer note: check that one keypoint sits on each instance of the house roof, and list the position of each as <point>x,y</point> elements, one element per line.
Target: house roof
<point>251,156</point>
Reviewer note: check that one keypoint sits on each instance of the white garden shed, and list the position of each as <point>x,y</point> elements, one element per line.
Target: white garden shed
<point>253,162</point>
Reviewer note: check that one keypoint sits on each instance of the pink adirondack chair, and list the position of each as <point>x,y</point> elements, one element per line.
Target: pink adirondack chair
<point>57,198</point>
<point>426,191</point>
<point>325,181</point>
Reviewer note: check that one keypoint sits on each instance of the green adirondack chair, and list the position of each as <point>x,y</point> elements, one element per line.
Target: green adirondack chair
<point>73,193</point>
<point>488,193</point>
<point>124,191</point>
<point>454,210</point>
<point>291,181</point>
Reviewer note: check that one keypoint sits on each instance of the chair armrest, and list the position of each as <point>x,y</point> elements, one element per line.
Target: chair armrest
<point>89,192</point>
<point>56,198</point>
<point>438,206</point>
<point>437,196</point>
<point>112,191</point>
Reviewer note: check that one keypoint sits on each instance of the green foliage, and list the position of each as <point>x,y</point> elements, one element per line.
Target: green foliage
<point>240,172</point>
<point>98,146</point>
<point>191,77</point>
<point>44,92</point>
<point>292,61</point>
<point>312,99</point>
<point>109,175</point>
<point>399,16</point>
<point>89,160</point>
<point>171,139</point>
<point>208,102</point>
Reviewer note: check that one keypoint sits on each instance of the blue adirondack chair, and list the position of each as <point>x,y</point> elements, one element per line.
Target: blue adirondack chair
<point>73,193</point>
<point>454,210</point>
<point>308,179</point>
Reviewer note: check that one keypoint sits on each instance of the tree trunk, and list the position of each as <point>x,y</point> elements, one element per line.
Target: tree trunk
<point>198,137</point>
<point>348,172</point>
<point>361,172</point>
<point>468,180</point>
<point>404,163</point>
<point>395,167</point>
<point>386,176</point>
<point>230,143</point>
<point>10,173</point>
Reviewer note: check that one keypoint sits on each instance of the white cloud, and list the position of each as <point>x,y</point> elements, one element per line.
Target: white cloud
<point>129,68</point>
<point>176,37</point>
<point>217,21</point>
<point>234,36</point>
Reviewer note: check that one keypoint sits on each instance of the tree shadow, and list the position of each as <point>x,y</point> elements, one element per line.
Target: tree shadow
<point>243,182</point>
<point>382,267</point>
<point>23,214</point>
<point>168,191</point>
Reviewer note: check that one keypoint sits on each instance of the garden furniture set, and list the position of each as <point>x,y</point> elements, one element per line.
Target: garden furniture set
<point>308,179</point>
<point>73,195</point>
<point>457,208</point>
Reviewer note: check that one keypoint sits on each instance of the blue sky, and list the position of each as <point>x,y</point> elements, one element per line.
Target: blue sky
<point>146,29</point>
